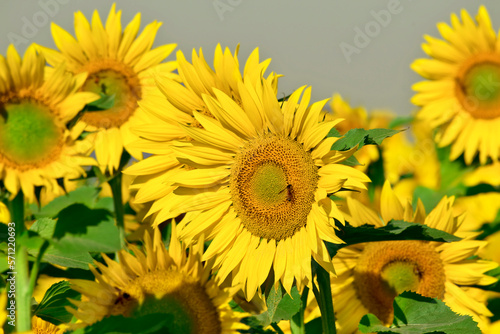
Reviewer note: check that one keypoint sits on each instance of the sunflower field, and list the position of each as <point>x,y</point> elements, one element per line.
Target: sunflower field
<point>146,190</point>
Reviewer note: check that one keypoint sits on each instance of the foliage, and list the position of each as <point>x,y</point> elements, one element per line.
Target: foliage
<point>416,314</point>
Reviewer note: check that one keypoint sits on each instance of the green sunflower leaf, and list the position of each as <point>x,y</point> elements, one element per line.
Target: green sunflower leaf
<point>77,219</point>
<point>77,232</point>
<point>334,133</point>
<point>415,314</point>
<point>85,195</point>
<point>44,227</point>
<point>103,103</point>
<point>280,306</point>
<point>351,161</point>
<point>91,230</point>
<point>64,253</point>
<point>394,230</point>
<point>52,308</point>
<point>362,137</point>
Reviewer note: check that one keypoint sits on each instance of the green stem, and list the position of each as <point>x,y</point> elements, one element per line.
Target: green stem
<point>297,325</point>
<point>23,297</point>
<point>36,266</point>
<point>21,271</point>
<point>325,302</point>
<point>116,188</point>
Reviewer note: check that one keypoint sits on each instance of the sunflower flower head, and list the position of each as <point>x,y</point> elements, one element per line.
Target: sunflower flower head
<point>462,94</point>
<point>371,275</point>
<point>36,146</point>
<point>119,65</point>
<point>255,179</point>
<point>177,105</point>
<point>157,280</point>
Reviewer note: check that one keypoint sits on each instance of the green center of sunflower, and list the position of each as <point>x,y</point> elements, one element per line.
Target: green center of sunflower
<point>272,185</point>
<point>112,78</point>
<point>483,82</point>
<point>400,276</point>
<point>479,86</point>
<point>29,134</point>
<point>269,184</point>
<point>174,293</point>
<point>385,269</point>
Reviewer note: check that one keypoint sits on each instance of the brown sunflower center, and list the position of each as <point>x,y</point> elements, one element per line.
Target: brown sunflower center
<point>478,86</point>
<point>272,186</point>
<point>385,269</point>
<point>174,293</point>
<point>30,134</point>
<point>110,77</point>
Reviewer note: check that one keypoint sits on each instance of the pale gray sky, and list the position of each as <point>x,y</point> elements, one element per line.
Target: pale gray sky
<point>361,49</point>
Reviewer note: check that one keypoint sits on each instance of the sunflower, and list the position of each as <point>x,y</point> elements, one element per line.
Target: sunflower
<point>175,107</point>
<point>119,65</point>
<point>36,147</point>
<point>158,280</point>
<point>255,180</point>
<point>462,95</point>
<point>371,274</point>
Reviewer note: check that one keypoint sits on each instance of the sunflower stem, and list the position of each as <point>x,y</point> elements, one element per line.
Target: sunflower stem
<point>325,302</point>
<point>19,270</point>
<point>297,325</point>
<point>116,188</point>
<point>36,266</point>
<point>23,297</point>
